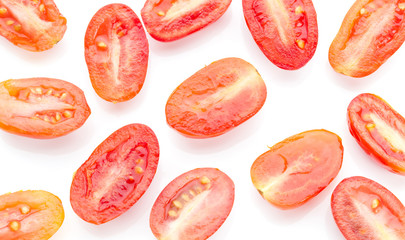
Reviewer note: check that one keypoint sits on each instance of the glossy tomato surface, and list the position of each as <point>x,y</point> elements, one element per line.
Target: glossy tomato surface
<point>117,52</point>
<point>296,169</point>
<point>116,175</point>
<point>169,20</point>
<point>31,25</point>
<point>216,99</point>
<point>41,107</point>
<point>370,33</point>
<point>286,31</point>
<point>363,209</point>
<point>193,206</point>
<point>379,130</point>
<point>30,215</point>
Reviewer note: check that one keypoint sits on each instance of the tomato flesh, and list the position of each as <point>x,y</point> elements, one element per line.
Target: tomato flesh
<point>30,215</point>
<point>116,175</point>
<point>370,33</point>
<point>116,52</point>
<point>31,25</point>
<point>286,31</point>
<point>363,209</point>
<point>193,206</point>
<point>298,168</point>
<point>169,20</point>
<point>216,99</point>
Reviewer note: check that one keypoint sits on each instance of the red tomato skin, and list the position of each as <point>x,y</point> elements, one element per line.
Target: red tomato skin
<point>285,54</point>
<point>350,222</point>
<point>84,184</point>
<point>38,214</point>
<point>222,192</point>
<point>154,11</point>
<point>211,102</point>
<point>375,145</point>
<point>17,95</point>
<point>116,23</point>
<point>324,153</point>
<point>19,31</point>
<point>358,58</point>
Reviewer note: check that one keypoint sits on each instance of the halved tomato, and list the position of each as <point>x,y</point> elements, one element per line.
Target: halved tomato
<point>298,168</point>
<point>379,130</point>
<point>286,31</point>
<point>117,52</point>
<point>32,25</point>
<point>216,99</point>
<point>193,206</point>
<point>30,215</point>
<point>363,209</point>
<point>169,20</point>
<point>41,107</point>
<point>371,32</point>
<point>116,175</point>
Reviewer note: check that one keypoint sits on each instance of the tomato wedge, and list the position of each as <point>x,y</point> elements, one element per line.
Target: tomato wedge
<point>41,107</point>
<point>116,175</point>
<point>363,209</point>
<point>216,99</point>
<point>379,130</point>
<point>286,31</point>
<point>371,32</point>
<point>298,168</point>
<point>30,215</point>
<point>32,25</point>
<point>169,20</point>
<point>193,206</point>
<point>116,52</point>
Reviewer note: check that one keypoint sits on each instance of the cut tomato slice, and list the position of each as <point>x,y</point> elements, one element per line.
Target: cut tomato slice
<point>117,52</point>
<point>193,206</point>
<point>30,215</point>
<point>116,175</point>
<point>298,168</point>
<point>216,99</point>
<point>363,209</point>
<point>41,107</point>
<point>169,20</point>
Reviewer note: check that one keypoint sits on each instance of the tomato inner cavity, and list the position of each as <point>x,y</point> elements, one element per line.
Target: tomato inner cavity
<point>170,10</point>
<point>13,216</point>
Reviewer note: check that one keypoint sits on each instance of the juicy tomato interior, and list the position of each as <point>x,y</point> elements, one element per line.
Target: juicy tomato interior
<point>32,215</point>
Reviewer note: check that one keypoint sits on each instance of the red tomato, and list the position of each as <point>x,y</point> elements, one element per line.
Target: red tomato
<point>370,33</point>
<point>363,209</point>
<point>298,168</point>
<point>379,130</point>
<point>216,99</point>
<point>116,175</point>
<point>169,20</point>
<point>286,31</point>
<point>41,107</point>
<point>116,51</point>
<point>193,206</point>
<point>30,215</point>
<point>31,25</point>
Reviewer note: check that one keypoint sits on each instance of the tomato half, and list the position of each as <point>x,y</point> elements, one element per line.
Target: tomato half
<point>116,175</point>
<point>286,31</point>
<point>379,130</point>
<point>169,20</point>
<point>371,32</point>
<point>298,168</point>
<point>41,107</point>
<point>30,215</point>
<point>193,206</point>
<point>31,25</point>
<point>216,99</point>
<point>116,52</point>
<point>363,209</point>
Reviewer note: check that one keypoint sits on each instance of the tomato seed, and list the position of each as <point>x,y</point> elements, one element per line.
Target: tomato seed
<point>14,226</point>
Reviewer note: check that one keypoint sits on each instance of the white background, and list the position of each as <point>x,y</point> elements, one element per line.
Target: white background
<point>313,97</point>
